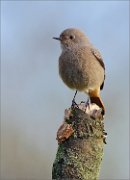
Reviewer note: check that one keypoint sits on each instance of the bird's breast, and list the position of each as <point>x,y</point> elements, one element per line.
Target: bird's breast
<point>72,71</point>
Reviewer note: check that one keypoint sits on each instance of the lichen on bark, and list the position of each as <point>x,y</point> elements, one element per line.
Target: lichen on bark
<point>80,155</point>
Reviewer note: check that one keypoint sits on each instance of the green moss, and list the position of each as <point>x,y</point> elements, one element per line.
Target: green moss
<point>80,156</point>
<point>69,121</point>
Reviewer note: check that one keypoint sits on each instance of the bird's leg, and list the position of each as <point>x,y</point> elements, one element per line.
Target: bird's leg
<point>73,101</point>
<point>85,102</point>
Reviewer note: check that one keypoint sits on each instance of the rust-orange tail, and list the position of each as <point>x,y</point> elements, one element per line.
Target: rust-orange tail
<point>97,100</point>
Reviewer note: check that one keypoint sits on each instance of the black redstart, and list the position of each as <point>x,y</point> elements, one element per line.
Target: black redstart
<point>81,66</point>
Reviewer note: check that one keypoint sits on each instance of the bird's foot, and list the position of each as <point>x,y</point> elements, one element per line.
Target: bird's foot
<point>74,104</point>
<point>86,103</point>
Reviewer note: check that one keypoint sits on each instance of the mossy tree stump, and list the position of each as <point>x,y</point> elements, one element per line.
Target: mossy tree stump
<point>81,139</point>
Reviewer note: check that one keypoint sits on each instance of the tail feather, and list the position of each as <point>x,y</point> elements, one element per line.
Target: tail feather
<point>97,100</point>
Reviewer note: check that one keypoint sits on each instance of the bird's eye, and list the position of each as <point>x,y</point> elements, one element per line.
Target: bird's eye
<point>71,37</point>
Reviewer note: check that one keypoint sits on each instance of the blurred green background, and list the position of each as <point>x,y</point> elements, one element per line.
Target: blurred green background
<point>34,97</point>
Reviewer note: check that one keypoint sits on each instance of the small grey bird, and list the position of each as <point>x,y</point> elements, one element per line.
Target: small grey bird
<point>81,66</point>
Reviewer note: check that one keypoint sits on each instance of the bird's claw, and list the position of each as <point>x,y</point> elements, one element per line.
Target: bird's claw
<point>74,104</point>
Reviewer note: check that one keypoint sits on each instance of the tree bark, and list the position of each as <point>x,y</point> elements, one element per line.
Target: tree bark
<point>81,140</point>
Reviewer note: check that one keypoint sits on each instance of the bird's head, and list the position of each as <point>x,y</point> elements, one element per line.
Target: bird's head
<point>71,38</point>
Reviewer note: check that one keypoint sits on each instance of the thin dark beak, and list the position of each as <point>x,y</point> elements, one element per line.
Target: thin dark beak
<point>56,38</point>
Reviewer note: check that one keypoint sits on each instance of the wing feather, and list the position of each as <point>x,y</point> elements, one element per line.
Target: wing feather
<point>99,58</point>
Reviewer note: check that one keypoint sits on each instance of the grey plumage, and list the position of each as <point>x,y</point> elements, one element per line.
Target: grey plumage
<point>81,66</point>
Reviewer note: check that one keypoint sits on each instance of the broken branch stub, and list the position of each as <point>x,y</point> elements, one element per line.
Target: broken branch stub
<point>81,139</point>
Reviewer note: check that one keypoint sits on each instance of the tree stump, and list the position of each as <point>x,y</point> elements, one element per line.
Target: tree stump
<point>81,140</point>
